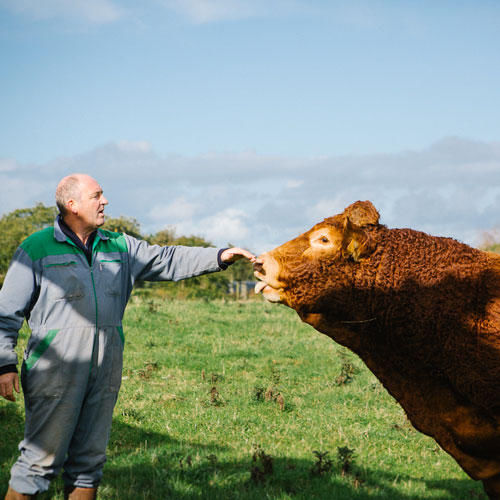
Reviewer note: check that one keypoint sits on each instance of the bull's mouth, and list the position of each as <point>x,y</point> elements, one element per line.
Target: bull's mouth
<point>265,270</point>
<point>268,292</point>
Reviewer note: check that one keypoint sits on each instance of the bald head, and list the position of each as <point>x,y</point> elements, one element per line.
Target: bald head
<point>81,202</point>
<point>70,188</point>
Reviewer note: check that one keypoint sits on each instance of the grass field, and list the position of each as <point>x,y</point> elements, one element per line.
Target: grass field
<point>240,400</point>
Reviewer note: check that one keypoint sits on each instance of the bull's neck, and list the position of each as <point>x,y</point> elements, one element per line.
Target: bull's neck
<point>363,306</point>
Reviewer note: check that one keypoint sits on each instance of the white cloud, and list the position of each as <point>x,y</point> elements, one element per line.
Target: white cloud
<point>20,189</point>
<point>208,11</point>
<point>7,165</point>
<point>451,188</point>
<point>229,224</point>
<point>134,146</point>
<point>221,228</point>
<point>294,183</point>
<point>90,11</point>
<point>177,211</point>
<point>326,207</point>
<point>205,11</point>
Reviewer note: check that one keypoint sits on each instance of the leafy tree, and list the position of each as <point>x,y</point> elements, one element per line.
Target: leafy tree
<point>241,270</point>
<point>210,285</point>
<point>164,237</point>
<point>495,247</point>
<point>168,237</point>
<point>122,224</point>
<point>491,241</point>
<point>192,241</point>
<point>18,225</point>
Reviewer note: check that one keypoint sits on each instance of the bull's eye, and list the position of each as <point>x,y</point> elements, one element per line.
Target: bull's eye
<point>324,239</point>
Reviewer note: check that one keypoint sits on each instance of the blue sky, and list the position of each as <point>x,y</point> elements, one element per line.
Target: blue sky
<point>255,117</point>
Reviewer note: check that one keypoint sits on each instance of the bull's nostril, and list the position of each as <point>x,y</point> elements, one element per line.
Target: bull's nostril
<point>258,266</point>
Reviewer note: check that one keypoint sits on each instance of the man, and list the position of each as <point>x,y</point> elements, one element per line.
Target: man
<point>72,282</point>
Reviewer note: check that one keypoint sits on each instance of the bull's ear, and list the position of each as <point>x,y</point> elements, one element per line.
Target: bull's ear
<point>356,243</point>
<point>362,213</point>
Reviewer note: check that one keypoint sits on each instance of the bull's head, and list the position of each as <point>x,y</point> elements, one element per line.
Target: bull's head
<point>300,272</point>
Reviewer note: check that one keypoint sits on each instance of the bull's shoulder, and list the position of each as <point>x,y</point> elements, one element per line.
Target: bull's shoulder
<point>438,250</point>
<point>410,259</point>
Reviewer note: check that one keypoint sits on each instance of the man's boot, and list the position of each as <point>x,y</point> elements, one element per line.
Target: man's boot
<point>14,495</point>
<point>73,493</point>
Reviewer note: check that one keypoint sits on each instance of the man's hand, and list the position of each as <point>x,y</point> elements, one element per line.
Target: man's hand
<point>233,254</point>
<point>7,382</point>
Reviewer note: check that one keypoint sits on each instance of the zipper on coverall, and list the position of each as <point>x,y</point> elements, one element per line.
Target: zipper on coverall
<point>79,250</point>
<point>94,247</point>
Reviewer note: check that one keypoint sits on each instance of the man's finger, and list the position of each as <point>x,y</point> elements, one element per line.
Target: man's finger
<point>232,254</point>
<point>6,392</point>
<point>9,381</point>
<point>241,252</point>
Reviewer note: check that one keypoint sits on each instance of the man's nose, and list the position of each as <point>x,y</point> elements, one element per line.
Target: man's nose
<point>104,201</point>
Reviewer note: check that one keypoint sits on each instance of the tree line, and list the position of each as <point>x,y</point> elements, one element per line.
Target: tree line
<point>19,224</point>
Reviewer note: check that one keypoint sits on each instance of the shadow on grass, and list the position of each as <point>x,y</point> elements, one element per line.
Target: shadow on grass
<point>149,465</point>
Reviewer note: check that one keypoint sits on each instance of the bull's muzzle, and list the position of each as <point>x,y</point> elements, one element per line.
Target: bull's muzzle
<point>266,270</point>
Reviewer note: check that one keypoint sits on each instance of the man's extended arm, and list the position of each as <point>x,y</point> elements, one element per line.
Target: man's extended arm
<point>173,263</point>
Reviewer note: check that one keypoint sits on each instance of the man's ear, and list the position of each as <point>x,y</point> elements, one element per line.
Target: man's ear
<point>72,206</point>
<point>356,243</point>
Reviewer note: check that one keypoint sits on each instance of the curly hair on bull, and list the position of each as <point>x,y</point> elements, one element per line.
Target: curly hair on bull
<point>423,313</point>
<point>451,308</point>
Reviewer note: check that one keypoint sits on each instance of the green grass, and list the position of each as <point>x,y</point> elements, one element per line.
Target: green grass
<point>176,437</point>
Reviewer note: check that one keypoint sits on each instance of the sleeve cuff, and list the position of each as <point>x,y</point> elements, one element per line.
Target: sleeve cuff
<point>222,265</point>
<point>8,369</point>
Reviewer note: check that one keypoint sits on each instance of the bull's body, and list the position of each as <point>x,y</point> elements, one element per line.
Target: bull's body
<point>422,312</point>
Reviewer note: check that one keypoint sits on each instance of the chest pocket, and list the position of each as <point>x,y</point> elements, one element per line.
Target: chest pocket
<point>63,281</point>
<point>110,276</point>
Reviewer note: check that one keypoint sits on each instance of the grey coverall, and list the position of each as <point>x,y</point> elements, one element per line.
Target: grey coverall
<point>72,365</point>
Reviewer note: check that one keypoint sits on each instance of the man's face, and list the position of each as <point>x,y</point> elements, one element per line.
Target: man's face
<point>91,204</point>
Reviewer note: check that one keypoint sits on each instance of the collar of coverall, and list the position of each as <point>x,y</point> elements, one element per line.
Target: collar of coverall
<point>60,236</point>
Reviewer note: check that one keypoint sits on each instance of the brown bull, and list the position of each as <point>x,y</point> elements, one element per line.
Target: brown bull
<point>423,313</point>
